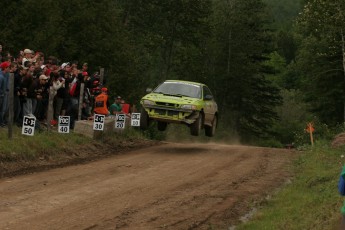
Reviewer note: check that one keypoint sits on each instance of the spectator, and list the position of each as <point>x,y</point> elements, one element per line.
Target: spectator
<point>65,65</point>
<point>19,59</point>
<point>85,67</point>
<point>0,53</point>
<point>116,107</point>
<point>125,107</point>
<point>74,92</point>
<point>64,91</point>
<point>58,82</point>
<point>28,98</point>
<point>18,97</point>
<point>74,65</point>
<point>40,58</point>
<point>341,189</point>
<point>85,115</point>
<point>31,90</point>
<point>87,92</point>
<point>41,95</point>
<point>4,89</point>
<point>4,75</point>
<point>28,56</point>
<point>102,103</point>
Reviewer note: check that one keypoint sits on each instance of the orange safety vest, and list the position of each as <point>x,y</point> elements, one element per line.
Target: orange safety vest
<point>101,104</point>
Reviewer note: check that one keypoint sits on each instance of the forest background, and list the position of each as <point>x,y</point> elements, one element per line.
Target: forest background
<point>272,65</point>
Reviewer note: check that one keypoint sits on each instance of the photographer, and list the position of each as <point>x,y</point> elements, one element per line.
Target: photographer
<point>58,86</point>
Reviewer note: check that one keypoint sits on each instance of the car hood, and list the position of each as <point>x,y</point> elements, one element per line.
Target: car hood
<point>171,99</point>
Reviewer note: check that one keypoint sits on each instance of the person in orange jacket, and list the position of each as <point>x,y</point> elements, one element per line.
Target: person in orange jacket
<point>102,103</point>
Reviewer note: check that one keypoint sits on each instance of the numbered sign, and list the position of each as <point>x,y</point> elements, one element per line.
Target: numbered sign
<point>120,121</point>
<point>63,126</point>
<point>29,125</point>
<point>135,119</point>
<point>98,122</point>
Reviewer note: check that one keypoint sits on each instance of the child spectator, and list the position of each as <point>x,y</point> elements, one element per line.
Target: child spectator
<point>102,103</point>
<point>116,107</point>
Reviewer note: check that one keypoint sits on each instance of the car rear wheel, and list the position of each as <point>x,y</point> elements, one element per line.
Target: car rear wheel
<point>196,126</point>
<point>144,119</point>
<point>211,130</point>
<point>162,126</point>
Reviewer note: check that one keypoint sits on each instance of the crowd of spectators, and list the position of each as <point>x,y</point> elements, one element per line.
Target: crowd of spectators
<point>36,77</point>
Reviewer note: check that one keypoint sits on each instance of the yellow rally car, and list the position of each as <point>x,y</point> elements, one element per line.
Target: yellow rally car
<point>175,101</point>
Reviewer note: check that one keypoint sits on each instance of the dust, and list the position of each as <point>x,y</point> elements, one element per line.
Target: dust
<point>181,134</point>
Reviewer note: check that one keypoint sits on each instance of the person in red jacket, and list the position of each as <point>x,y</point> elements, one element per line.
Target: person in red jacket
<point>102,102</point>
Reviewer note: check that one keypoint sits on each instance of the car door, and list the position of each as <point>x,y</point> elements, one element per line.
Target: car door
<point>210,107</point>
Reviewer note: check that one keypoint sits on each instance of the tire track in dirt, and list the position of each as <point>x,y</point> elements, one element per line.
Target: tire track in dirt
<point>172,186</point>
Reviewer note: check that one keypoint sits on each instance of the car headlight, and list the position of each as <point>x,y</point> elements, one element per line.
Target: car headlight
<point>191,107</point>
<point>148,102</point>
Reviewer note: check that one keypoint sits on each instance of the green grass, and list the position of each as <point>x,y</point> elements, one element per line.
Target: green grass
<point>22,147</point>
<point>28,147</point>
<point>311,201</point>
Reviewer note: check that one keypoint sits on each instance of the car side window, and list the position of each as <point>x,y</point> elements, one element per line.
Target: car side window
<point>207,91</point>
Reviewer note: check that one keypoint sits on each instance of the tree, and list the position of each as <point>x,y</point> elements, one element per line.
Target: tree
<point>321,58</point>
<point>242,43</point>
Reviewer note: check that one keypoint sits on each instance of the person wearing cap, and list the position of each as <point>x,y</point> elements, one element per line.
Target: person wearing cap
<point>27,56</point>
<point>36,93</point>
<point>116,107</point>
<point>42,96</point>
<point>4,75</point>
<point>102,102</point>
<point>65,65</point>
<point>84,67</point>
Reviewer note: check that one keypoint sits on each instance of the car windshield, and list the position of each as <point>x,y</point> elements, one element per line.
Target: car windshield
<point>179,89</point>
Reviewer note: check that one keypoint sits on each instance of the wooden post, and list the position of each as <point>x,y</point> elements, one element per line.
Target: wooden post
<point>101,75</point>
<point>50,112</point>
<point>81,97</point>
<point>10,105</point>
<point>311,139</point>
<point>310,129</point>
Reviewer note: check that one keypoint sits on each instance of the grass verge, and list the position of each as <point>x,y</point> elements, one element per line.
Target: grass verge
<point>311,200</point>
<point>46,150</point>
<point>31,147</point>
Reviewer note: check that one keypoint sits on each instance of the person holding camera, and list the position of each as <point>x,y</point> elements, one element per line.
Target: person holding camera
<point>58,87</point>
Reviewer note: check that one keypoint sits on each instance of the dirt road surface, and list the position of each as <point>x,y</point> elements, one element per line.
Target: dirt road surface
<point>169,186</point>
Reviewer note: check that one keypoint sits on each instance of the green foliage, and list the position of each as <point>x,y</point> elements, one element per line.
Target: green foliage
<point>224,44</point>
<point>310,200</point>
<point>241,44</point>
<point>320,58</point>
<point>293,119</point>
<point>284,12</point>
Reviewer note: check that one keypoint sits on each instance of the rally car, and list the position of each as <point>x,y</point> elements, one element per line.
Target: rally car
<point>184,102</point>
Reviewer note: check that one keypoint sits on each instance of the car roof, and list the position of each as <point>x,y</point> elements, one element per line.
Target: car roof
<point>187,82</point>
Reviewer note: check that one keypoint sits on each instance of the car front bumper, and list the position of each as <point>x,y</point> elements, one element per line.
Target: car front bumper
<point>171,115</point>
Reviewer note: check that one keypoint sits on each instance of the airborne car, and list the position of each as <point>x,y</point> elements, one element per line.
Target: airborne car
<point>185,102</point>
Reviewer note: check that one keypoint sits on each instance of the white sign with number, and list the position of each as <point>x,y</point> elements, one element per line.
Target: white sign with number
<point>98,122</point>
<point>135,119</point>
<point>63,126</point>
<point>28,125</point>
<point>120,121</point>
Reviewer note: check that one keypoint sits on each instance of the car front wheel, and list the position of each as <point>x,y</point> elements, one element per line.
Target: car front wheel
<point>196,126</point>
<point>211,130</point>
<point>144,119</point>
